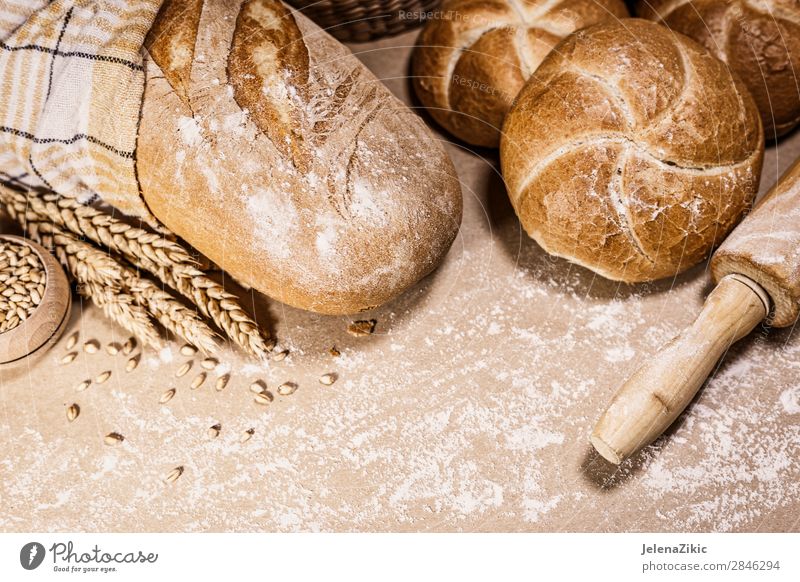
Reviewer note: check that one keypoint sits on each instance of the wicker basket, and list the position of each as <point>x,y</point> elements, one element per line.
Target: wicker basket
<point>363,20</point>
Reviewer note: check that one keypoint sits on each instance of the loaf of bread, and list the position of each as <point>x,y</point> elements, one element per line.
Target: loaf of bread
<point>632,151</point>
<point>470,63</point>
<point>270,148</point>
<point>759,39</point>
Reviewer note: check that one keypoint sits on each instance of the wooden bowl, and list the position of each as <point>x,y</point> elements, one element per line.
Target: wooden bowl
<point>34,336</point>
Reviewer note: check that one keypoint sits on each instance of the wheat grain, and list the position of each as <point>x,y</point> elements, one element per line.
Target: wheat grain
<point>72,412</point>
<point>21,276</point>
<point>129,346</point>
<point>362,327</point>
<point>257,386</point>
<point>222,382</point>
<point>173,475</point>
<point>167,396</point>
<point>327,379</point>
<point>91,346</point>
<point>131,364</point>
<point>198,381</point>
<point>184,369</point>
<point>113,438</point>
<point>188,350</point>
<point>263,398</point>
<point>72,340</point>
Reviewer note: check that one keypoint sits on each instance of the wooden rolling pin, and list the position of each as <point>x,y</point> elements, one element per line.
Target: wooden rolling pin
<point>757,271</point>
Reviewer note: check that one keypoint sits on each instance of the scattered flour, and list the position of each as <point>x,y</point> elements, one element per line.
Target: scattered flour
<point>790,400</point>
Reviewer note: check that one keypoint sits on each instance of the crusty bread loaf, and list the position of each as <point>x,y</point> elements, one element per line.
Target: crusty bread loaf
<point>759,39</point>
<point>471,61</point>
<point>270,148</point>
<point>631,151</point>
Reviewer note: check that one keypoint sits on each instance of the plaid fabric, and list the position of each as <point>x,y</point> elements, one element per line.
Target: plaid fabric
<point>71,85</point>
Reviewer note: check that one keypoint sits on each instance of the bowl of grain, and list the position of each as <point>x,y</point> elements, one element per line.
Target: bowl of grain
<point>35,300</point>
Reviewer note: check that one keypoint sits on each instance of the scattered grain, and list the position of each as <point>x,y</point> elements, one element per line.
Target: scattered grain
<point>69,357</point>
<point>173,475</point>
<point>362,327</point>
<point>198,381</point>
<point>91,346</point>
<point>280,356</point>
<point>209,364</point>
<point>72,340</point>
<point>103,377</point>
<point>167,396</point>
<point>263,397</point>
<point>246,435</point>
<point>83,385</point>
<point>113,349</point>
<point>334,352</point>
<point>73,411</point>
<point>188,350</point>
<point>213,431</point>
<point>129,346</point>
<point>130,366</point>
<point>287,388</point>
<point>222,381</point>
<point>183,370</point>
<point>327,379</point>
<point>113,438</point>
<point>258,386</point>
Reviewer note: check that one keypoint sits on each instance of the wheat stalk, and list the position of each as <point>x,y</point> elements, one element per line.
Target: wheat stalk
<point>122,309</point>
<point>165,259</point>
<point>123,295</point>
<point>172,314</point>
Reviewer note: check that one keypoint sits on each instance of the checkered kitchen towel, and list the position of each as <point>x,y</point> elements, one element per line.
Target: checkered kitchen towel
<point>71,85</point>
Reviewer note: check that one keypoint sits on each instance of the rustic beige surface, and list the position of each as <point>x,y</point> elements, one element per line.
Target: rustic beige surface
<point>469,409</point>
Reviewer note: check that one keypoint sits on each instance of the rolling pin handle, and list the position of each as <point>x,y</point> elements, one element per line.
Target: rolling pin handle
<point>657,392</point>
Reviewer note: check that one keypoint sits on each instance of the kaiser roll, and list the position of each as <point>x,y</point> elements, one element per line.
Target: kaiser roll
<point>471,61</point>
<point>270,148</point>
<point>632,151</point>
<point>759,39</point>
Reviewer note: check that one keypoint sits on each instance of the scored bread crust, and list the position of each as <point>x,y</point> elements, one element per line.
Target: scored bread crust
<point>271,149</point>
<point>470,63</point>
<point>632,151</point>
<point>758,39</point>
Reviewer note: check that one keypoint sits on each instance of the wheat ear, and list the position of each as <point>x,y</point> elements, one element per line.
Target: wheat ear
<point>123,295</point>
<point>165,259</point>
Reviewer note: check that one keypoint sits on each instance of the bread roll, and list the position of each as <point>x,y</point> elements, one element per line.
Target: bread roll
<point>470,63</point>
<point>270,148</point>
<point>631,151</point>
<point>759,39</point>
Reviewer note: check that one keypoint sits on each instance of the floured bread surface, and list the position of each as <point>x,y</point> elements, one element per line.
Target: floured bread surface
<point>632,151</point>
<point>286,161</point>
<point>758,39</point>
<point>471,61</point>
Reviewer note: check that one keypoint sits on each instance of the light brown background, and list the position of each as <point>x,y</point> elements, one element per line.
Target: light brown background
<point>468,410</point>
